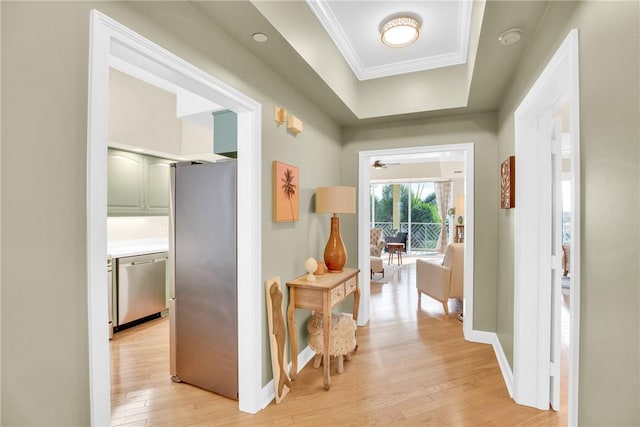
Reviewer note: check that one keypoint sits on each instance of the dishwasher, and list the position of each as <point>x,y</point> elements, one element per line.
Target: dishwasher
<point>141,288</point>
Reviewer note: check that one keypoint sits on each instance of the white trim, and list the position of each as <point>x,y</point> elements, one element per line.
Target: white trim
<point>304,357</point>
<point>329,22</point>
<point>469,238</point>
<point>364,173</point>
<point>574,293</point>
<point>364,209</point>
<point>99,358</point>
<point>556,84</point>
<point>507,374</point>
<point>492,338</point>
<point>109,38</point>
<point>269,392</point>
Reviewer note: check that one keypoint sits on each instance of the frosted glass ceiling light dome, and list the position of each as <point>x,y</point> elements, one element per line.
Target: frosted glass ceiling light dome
<point>400,31</point>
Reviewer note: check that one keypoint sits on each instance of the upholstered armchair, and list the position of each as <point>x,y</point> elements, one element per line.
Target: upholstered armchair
<point>377,242</point>
<point>400,237</point>
<point>445,281</point>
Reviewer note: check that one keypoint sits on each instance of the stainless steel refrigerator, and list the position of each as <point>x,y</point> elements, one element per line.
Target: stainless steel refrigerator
<point>203,275</point>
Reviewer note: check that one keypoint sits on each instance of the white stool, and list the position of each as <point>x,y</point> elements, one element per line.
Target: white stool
<point>376,266</point>
<point>342,340</point>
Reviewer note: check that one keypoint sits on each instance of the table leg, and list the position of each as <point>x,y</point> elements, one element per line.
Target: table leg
<point>356,307</point>
<point>293,340</point>
<point>326,323</point>
<point>400,257</point>
<point>356,303</point>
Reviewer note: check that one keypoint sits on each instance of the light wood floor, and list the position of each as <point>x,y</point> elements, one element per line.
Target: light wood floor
<point>412,367</point>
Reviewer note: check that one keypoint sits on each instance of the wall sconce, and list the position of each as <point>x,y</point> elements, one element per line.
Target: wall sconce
<point>280,114</point>
<point>294,124</point>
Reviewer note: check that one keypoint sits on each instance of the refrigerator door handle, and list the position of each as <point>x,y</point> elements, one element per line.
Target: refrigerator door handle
<point>143,262</point>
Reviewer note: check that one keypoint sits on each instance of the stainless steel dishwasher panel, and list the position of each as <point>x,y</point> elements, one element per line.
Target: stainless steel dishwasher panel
<point>110,294</point>
<point>141,286</point>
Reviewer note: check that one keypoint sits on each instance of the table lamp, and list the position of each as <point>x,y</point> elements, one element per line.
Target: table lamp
<point>335,200</point>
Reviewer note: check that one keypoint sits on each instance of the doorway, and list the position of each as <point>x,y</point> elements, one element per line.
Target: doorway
<point>112,41</point>
<point>540,120</point>
<point>406,209</point>
<point>366,159</point>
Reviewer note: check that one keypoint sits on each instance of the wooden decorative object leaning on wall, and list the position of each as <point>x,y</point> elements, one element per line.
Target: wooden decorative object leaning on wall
<point>277,338</point>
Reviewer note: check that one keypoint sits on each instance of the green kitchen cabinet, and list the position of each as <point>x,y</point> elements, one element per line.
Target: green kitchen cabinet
<point>125,191</point>
<point>137,184</point>
<point>225,133</point>
<point>157,176</point>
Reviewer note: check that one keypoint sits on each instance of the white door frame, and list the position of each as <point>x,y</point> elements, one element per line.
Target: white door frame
<point>558,83</point>
<point>110,40</point>
<point>364,177</point>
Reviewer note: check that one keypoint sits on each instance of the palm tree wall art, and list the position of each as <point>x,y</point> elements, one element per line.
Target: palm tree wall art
<point>286,189</point>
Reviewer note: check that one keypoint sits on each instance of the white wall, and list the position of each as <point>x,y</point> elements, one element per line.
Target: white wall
<point>195,139</point>
<point>141,115</point>
<point>137,227</point>
<point>144,116</point>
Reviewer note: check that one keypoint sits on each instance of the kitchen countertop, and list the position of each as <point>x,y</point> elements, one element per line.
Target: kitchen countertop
<point>124,248</point>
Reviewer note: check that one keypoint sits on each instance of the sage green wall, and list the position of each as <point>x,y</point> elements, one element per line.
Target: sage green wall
<point>45,46</point>
<point>0,218</point>
<point>477,128</point>
<point>44,306</point>
<point>609,52</point>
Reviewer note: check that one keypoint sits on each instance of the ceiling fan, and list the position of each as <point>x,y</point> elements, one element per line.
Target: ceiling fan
<point>379,165</point>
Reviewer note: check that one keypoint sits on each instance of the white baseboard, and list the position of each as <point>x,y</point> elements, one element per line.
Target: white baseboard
<point>268,392</point>
<point>507,373</point>
<point>492,338</point>
<point>304,357</point>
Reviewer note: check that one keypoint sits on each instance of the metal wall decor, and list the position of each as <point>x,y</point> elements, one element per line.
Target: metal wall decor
<point>508,183</point>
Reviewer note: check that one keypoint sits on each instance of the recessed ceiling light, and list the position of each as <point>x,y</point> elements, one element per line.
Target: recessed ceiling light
<point>399,31</point>
<point>510,36</point>
<point>260,37</point>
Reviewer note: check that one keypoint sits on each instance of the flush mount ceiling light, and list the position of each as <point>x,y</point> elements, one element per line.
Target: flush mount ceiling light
<point>399,31</point>
<point>510,36</point>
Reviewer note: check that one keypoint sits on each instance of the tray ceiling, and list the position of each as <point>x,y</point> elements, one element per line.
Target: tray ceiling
<point>354,28</point>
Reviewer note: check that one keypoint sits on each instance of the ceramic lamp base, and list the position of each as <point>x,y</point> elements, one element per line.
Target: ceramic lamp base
<point>335,254</point>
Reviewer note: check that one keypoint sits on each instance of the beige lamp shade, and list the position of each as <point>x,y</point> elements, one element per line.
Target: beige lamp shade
<point>460,204</point>
<point>336,200</point>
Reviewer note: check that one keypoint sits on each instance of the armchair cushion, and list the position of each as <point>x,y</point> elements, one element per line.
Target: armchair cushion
<point>376,241</point>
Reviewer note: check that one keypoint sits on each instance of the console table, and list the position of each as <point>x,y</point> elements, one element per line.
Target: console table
<point>320,295</point>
